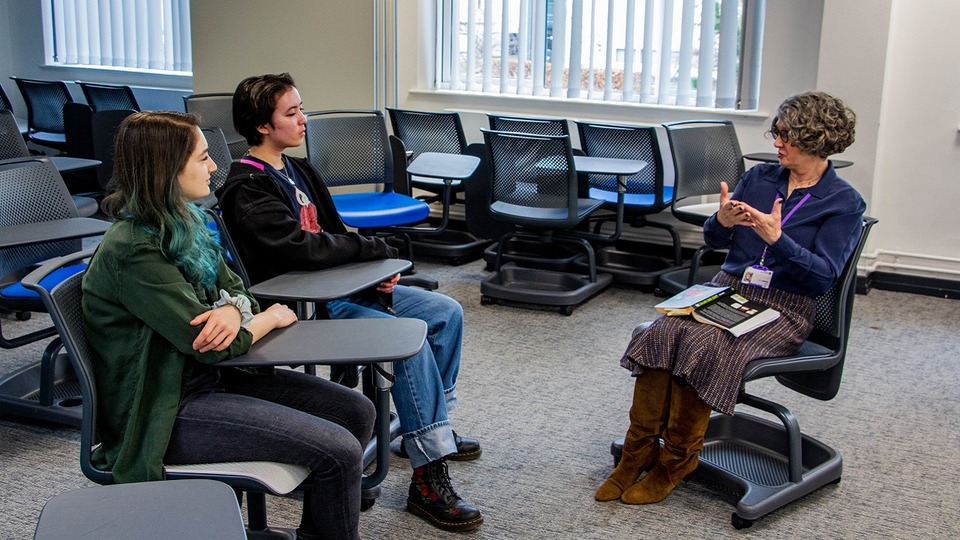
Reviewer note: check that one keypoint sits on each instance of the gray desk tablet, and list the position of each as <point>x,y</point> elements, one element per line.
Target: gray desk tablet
<point>50,231</point>
<point>330,342</point>
<point>613,166</point>
<point>329,284</point>
<point>68,164</point>
<point>443,166</point>
<point>168,509</point>
<point>770,157</point>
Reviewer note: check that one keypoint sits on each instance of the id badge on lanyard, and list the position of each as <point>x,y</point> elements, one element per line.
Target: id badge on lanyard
<point>759,275</point>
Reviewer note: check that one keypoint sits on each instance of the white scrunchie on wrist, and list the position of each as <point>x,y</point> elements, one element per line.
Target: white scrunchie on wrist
<point>240,302</point>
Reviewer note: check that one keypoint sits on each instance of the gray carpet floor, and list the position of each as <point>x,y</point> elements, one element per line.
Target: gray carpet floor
<point>545,395</point>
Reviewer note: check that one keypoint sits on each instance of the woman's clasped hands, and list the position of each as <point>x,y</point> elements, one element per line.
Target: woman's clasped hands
<point>733,212</point>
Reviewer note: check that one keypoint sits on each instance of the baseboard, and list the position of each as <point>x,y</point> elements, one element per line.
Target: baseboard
<point>886,281</point>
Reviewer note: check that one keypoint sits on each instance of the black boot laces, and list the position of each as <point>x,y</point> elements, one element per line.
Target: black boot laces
<point>440,477</point>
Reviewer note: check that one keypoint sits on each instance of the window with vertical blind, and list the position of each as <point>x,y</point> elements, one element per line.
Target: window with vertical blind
<point>122,34</point>
<point>695,53</point>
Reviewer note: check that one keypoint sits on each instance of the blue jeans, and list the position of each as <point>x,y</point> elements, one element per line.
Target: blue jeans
<point>426,383</point>
<point>287,417</point>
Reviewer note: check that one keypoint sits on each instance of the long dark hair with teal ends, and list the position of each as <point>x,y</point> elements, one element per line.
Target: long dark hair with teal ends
<point>150,150</point>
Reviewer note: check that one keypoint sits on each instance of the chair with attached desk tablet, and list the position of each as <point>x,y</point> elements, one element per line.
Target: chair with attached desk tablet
<point>12,146</point>
<point>769,464</point>
<point>438,132</point>
<point>534,187</point>
<point>376,342</point>
<point>705,153</point>
<point>308,291</point>
<point>644,194</point>
<point>39,222</point>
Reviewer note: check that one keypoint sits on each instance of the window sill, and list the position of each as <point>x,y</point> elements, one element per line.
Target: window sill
<point>566,107</point>
<point>124,75</point>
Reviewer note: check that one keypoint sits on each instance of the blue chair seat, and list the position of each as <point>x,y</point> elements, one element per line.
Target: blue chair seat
<point>382,209</point>
<point>16,290</point>
<point>632,199</point>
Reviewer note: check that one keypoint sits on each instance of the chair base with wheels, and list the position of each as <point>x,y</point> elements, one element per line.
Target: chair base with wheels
<point>515,284</point>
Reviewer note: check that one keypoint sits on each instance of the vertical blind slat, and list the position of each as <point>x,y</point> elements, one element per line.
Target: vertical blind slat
<point>505,47</point>
<point>487,43</point>
<point>666,56</point>
<point>539,45</point>
<point>727,55</point>
<point>523,39</point>
<point>628,52</point>
<point>558,47</point>
<point>705,67</point>
<point>576,47</point>
<point>685,60</point>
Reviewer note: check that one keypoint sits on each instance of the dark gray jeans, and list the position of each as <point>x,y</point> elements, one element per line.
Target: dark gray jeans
<point>287,417</point>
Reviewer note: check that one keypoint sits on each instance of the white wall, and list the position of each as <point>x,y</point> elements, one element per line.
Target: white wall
<point>916,184</point>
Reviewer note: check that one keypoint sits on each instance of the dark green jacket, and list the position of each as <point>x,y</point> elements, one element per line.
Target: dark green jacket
<point>138,307</point>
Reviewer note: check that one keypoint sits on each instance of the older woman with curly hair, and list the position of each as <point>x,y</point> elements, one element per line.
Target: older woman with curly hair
<point>789,229</point>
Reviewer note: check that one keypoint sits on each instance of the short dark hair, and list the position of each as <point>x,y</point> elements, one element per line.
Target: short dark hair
<point>254,101</point>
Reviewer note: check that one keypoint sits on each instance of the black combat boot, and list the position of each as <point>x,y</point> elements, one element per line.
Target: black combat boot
<point>432,497</point>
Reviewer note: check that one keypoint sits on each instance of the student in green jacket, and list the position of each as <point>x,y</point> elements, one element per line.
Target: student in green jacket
<point>162,309</point>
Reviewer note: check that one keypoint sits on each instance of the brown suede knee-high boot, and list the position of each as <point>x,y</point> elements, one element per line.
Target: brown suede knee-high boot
<point>682,441</point>
<point>641,446</point>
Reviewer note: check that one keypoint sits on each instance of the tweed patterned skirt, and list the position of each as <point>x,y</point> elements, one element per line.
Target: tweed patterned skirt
<point>711,360</point>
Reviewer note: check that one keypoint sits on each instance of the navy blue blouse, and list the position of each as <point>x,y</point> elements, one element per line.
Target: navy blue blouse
<point>816,242</point>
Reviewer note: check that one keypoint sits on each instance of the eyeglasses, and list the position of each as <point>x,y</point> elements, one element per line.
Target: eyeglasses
<point>782,133</point>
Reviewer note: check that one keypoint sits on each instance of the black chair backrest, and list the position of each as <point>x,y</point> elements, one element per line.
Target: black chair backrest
<point>626,142</point>
<point>104,126</point>
<point>219,152</point>
<point>705,152</point>
<point>105,97</point>
<point>45,101</point>
<point>216,110</point>
<point>521,124</point>
<point>5,104</point>
<point>832,327</point>
<point>64,303</point>
<point>349,148</point>
<point>534,179</point>
<point>428,131</point>
<point>31,191</point>
<point>230,253</point>
<point>11,140</point>
<point>78,126</point>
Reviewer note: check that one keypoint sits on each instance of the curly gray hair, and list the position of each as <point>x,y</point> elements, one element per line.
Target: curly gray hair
<point>816,123</point>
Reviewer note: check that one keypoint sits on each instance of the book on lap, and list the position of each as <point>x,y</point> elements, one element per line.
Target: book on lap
<point>722,307</point>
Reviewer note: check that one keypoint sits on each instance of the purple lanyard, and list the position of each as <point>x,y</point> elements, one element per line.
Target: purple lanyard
<point>783,221</point>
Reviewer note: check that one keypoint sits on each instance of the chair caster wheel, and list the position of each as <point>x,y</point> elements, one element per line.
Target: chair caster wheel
<point>566,310</point>
<point>739,522</point>
<point>486,300</point>
<point>366,504</point>
<point>23,315</point>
